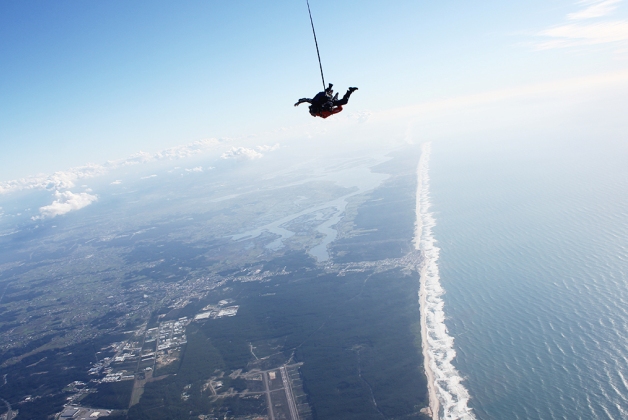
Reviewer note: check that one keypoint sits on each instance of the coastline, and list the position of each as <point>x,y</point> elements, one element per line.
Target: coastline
<point>431,384</point>
<point>434,404</point>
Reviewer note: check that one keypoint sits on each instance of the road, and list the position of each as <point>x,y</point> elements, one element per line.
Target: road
<point>268,399</point>
<point>292,405</point>
<point>293,410</point>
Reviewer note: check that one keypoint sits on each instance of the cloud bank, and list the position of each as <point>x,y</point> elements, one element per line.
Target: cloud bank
<point>266,148</point>
<point>596,9</point>
<point>245,153</point>
<point>65,202</point>
<point>241,153</point>
<point>575,35</point>
<point>67,179</point>
<point>62,181</point>
<point>580,33</point>
<point>56,181</point>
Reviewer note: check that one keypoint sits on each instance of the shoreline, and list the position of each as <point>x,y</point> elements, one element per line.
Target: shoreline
<point>434,404</point>
<point>431,386</point>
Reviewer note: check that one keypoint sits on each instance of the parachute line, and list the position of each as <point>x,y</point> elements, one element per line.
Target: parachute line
<point>316,42</point>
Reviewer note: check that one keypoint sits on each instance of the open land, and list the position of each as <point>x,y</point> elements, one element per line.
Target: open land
<point>167,316</point>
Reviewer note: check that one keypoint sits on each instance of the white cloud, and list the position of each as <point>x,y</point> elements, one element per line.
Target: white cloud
<point>597,8</point>
<point>552,88</point>
<point>197,169</point>
<point>117,182</point>
<point>177,152</point>
<point>573,35</point>
<point>65,202</point>
<point>246,153</point>
<point>585,34</point>
<point>58,180</point>
<point>149,176</point>
<point>67,179</point>
<point>266,148</point>
<point>241,153</point>
<point>360,116</point>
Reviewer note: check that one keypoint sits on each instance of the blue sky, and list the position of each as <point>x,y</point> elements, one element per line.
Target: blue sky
<point>91,81</point>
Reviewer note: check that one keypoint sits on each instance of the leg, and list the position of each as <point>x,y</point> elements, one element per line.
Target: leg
<point>345,99</point>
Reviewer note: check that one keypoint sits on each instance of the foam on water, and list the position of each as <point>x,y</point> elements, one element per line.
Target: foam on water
<point>448,395</point>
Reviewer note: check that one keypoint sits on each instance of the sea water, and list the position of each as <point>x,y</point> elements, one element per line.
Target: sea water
<point>533,263</point>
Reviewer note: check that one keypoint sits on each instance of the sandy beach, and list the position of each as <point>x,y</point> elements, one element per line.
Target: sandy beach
<point>434,404</point>
<point>433,397</point>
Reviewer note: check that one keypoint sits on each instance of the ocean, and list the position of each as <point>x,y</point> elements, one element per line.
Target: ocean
<point>531,241</point>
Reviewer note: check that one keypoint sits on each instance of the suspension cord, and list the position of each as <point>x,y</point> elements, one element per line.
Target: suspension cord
<point>316,42</point>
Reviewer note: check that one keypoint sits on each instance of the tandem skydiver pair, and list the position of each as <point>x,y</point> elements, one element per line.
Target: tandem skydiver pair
<point>325,103</point>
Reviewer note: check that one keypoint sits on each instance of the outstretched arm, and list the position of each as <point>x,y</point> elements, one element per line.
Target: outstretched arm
<point>300,101</point>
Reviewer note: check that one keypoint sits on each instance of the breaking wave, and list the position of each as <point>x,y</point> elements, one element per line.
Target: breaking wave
<point>448,395</point>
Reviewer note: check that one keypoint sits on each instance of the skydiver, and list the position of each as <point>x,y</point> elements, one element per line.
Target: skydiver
<point>326,103</point>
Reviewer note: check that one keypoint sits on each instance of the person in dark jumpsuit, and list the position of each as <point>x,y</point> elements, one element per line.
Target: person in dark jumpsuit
<point>325,103</point>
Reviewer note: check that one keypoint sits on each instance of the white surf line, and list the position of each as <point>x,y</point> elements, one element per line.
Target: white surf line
<point>447,395</point>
